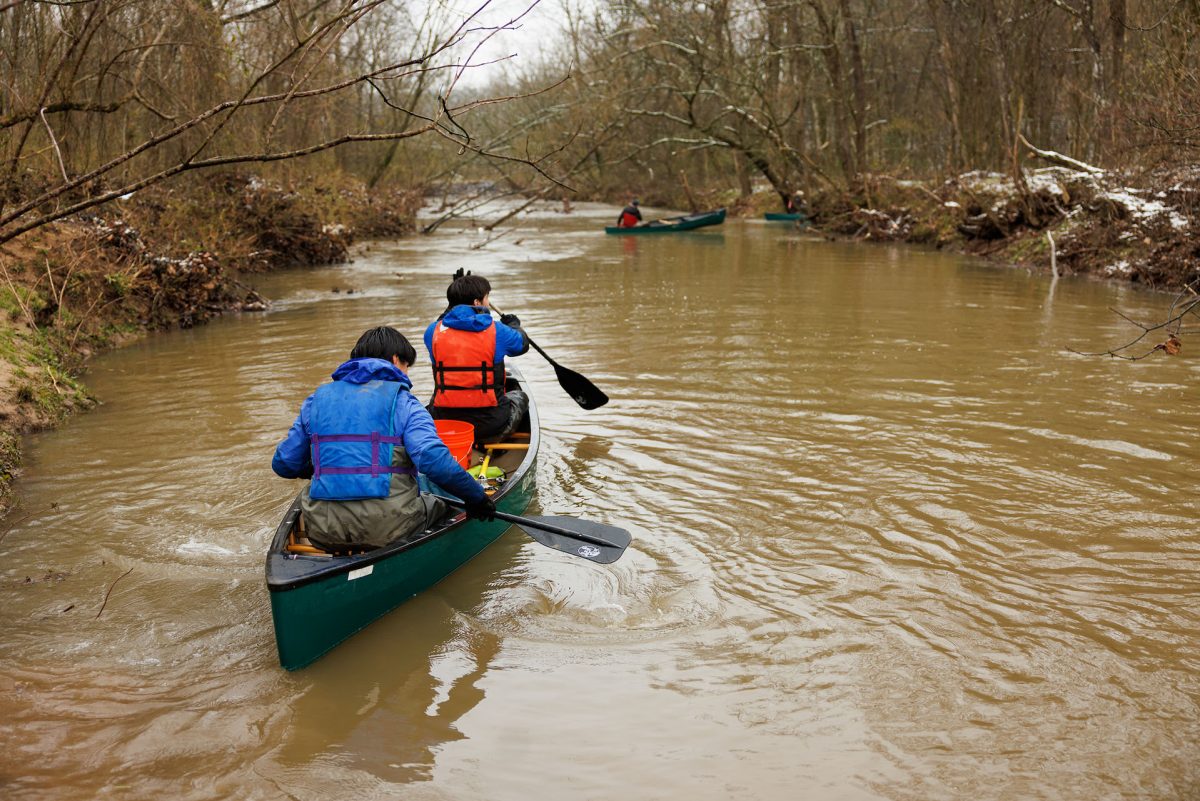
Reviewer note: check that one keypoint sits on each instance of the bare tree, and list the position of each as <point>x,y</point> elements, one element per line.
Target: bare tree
<point>207,84</point>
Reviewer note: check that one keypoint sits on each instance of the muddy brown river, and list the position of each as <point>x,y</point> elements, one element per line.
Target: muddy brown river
<point>892,542</point>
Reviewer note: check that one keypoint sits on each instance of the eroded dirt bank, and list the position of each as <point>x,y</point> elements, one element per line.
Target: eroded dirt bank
<point>168,256</point>
<point>1141,229</point>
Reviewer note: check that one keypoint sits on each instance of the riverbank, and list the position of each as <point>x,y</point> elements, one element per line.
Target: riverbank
<point>170,256</point>
<point>1136,228</point>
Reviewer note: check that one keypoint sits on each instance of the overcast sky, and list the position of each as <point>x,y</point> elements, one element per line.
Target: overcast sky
<point>538,29</point>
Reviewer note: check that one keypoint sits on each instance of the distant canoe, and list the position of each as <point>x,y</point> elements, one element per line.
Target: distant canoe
<point>779,216</point>
<point>687,222</point>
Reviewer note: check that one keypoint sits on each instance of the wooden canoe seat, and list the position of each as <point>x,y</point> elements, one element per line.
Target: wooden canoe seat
<point>303,545</point>
<point>299,544</point>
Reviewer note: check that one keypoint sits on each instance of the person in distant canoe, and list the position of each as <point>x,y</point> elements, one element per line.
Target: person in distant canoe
<point>631,215</point>
<point>362,439</point>
<point>468,348</point>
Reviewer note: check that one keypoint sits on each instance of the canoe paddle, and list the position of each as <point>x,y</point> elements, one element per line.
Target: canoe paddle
<point>581,390</point>
<point>586,539</point>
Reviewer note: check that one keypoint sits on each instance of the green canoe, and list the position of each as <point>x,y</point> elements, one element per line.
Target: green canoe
<point>687,222</point>
<point>779,216</point>
<point>319,600</point>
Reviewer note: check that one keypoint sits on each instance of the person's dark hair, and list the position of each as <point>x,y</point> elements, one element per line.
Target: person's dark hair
<point>384,343</point>
<point>466,289</point>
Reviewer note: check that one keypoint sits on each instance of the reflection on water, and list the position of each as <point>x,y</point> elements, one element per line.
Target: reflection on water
<point>891,542</point>
<point>384,707</point>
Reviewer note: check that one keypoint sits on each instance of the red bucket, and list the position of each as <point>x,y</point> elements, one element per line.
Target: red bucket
<point>458,437</point>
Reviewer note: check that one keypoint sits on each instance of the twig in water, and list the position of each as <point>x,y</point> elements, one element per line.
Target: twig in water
<point>14,524</point>
<point>110,589</point>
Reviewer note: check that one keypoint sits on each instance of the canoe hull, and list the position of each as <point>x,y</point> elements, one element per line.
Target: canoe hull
<point>312,618</point>
<point>319,601</point>
<point>778,216</point>
<point>689,222</point>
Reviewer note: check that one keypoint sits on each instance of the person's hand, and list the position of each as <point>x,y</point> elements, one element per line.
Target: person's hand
<point>511,320</point>
<point>482,510</point>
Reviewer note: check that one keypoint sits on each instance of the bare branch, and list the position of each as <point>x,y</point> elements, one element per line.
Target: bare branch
<point>197,164</point>
<point>1172,325</point>
<point>60,107</point>
<point>183,127</point>
<point>249,12</point>
<point>1060,159</point>
<point>50,132</point>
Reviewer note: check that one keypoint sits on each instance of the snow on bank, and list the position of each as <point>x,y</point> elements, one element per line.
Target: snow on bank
<point>1144,210</point>
<point>1140,205</point>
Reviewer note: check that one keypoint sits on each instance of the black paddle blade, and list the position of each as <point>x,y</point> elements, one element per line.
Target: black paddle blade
<point>595,542</point>
<point>582,391</point>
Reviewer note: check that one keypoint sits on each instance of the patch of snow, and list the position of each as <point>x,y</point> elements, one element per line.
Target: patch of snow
<point>1120,268</point>
<point>982,179</point>
<point>950,204</point>
<point>1142,209</point>
<point>1038,181</point>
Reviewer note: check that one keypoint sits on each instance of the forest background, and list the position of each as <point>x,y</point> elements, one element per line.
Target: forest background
<point>152,153</point>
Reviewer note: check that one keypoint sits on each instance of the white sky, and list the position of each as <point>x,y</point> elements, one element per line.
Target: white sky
<point>539,29</point>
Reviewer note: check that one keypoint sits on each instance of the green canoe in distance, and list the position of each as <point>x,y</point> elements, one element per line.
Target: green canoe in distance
<point>687,222</point>
<point>318,600</point>
<point>779,216</point>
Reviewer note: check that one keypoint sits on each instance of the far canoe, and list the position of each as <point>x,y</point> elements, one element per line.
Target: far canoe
<point>779,216</point>
<point>687,222</point>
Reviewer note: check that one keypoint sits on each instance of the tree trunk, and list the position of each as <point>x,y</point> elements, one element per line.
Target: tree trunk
<point>745,188</point>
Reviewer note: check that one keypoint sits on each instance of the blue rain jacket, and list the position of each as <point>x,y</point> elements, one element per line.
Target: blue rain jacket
<point>372,402</point>
<point>509,341</point>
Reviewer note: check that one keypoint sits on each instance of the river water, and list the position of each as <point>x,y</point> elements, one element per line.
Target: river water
<point>892,541</point>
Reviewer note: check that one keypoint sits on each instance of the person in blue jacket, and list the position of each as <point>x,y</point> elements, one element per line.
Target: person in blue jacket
<point>362,439</point>
<point>467,349</point>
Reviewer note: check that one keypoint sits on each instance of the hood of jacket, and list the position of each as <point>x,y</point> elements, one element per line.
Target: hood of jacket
<point>360,371</point>
<point>467,318</point>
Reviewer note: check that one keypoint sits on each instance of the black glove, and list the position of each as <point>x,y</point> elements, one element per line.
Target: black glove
<point>482,510</point>
<point>511,320</point>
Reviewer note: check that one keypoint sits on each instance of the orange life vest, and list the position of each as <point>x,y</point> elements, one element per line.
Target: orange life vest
<point>465,373</point>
